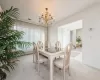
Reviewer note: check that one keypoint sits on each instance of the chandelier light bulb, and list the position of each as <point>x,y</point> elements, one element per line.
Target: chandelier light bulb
<point>46,18</point>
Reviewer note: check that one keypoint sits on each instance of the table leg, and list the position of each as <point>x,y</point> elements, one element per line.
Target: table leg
<point>51,68</point>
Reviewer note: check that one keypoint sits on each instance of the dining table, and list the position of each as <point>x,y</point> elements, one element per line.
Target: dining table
<point>51,54</point>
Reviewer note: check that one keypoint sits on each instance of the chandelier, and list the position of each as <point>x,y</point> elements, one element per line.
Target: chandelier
<point>46,18</point>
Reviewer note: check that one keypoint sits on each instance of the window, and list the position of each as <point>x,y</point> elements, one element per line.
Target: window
<point>31,33</point>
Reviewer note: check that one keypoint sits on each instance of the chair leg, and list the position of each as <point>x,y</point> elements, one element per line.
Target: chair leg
<point>64,77</point>
<point>35,65</point>
<point>38,67</point>
<point>68,71</point>
<point>33,59</point>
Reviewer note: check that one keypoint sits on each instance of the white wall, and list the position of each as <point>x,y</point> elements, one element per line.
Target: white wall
<point>63,36</point>
<point>0,9</point>
<point>74,37</point>
<point>79,33</point>
<point>53,35</point>
<point>91,39</point>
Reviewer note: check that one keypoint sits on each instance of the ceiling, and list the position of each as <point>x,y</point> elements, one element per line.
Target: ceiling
<point>60,9</point>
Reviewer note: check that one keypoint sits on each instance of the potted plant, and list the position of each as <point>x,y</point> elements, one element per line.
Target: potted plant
<point>10,41</point>
<point>78,40</point>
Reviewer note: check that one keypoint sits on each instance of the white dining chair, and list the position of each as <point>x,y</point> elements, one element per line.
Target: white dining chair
<point>37,58</point>
<point>40,45</point>
<point>63,63</point>
<point>58,45</point>
<point>34,52</point>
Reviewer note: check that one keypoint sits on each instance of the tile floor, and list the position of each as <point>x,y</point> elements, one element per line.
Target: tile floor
<point>26,71</point>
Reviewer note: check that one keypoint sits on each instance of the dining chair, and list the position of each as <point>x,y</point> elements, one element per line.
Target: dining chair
<point>63,63</point>
<point>34,52</point>
<point>58,45</point>
<point>37,58</point>
<point>40,45</point>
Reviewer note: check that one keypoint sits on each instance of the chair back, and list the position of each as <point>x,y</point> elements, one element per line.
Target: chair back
<point>67,55</point>
<point>35,52</point>
<point>34,46</point>
<point>58,45</point>
<point>40,45</point>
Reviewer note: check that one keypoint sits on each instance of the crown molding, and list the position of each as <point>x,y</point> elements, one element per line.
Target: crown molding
<point>33,23</point>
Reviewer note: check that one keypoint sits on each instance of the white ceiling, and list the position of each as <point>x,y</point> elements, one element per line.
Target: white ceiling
<point>60,9</point>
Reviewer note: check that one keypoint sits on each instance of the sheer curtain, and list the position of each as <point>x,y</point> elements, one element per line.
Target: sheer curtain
<point>32,33</point>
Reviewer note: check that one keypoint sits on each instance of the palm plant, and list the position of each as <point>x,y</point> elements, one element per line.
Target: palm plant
<point>10,41</point>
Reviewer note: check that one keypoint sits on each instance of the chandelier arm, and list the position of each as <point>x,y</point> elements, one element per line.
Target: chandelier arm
<point>46,18</point>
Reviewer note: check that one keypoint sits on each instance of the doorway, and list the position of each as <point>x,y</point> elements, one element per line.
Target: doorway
<point>72,32</point>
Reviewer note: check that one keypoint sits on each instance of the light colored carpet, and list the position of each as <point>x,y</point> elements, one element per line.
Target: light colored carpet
<point>26,71</point>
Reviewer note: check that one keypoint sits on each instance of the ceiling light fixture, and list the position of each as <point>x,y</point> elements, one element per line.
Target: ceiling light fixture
<point>46,18</point>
